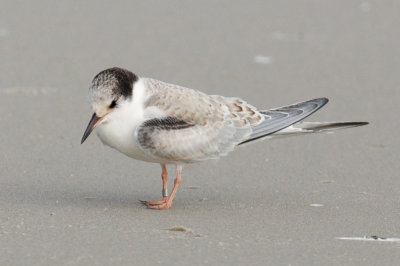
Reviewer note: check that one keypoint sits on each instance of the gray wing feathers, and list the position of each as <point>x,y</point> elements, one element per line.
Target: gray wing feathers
<point>280,118</point>
<point>199,127</point>
<point>171,139</point>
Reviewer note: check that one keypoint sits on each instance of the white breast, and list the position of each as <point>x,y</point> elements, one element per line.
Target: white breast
<point>119,127</point>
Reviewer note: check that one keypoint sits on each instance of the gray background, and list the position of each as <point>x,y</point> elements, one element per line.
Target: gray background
<point>71,204</point>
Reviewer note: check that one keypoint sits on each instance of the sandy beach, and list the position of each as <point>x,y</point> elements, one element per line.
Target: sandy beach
<point>321,199</point>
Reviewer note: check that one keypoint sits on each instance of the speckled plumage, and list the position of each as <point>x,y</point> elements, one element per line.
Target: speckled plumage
<point>154,121</point>
<point>210,126</point>
<point>219,123</point>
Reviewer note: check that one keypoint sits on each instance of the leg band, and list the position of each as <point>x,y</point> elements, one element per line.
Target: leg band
<point>165,192</point>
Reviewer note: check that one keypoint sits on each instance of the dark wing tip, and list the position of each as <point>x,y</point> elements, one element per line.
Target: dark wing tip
<point>324,100</point>
<point>291,117</point>
<point>320,101</point>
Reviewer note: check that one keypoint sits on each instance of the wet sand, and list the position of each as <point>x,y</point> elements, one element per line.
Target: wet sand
<point>280,202</point>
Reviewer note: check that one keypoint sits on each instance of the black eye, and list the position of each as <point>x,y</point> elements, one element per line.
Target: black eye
<point>113,104</point>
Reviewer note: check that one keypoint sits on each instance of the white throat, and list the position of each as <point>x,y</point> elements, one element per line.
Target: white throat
<point>119,127</point>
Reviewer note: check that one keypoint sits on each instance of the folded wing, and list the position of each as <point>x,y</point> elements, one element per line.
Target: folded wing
<point>280,118</point>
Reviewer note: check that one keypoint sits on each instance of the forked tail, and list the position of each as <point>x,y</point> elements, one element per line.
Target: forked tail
<point>285,121</point>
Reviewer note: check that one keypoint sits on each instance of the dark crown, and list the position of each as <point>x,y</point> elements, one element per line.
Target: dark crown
<point>118,79</point>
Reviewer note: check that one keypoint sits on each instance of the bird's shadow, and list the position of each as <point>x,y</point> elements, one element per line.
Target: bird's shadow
<point>87,198</point>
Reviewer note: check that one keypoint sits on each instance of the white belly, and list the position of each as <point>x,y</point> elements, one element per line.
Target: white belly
<point>122,138</point>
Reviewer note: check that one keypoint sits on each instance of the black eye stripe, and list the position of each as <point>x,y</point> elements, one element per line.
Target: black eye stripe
<point>113,104</point>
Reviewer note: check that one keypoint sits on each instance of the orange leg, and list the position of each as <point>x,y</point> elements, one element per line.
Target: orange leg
<point>166,202</point>
<point>164,177</point>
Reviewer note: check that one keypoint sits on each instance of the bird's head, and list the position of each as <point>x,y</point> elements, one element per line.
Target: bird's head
<point>108,90</point>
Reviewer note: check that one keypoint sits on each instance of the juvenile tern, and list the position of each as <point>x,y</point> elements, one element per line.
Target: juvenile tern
<point>157,122</point>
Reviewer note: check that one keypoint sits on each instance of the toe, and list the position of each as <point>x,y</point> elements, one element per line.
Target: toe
<point>155,203</point>
<point>164,206</point>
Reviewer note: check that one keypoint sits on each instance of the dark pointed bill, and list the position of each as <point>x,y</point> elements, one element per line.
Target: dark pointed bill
<point>92,124</point>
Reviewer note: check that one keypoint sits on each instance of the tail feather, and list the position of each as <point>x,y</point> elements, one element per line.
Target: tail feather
<point>316,127</point>
<point>284,121</point>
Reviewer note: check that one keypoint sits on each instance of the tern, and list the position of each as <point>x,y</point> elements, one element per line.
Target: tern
<point>153,121</point>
